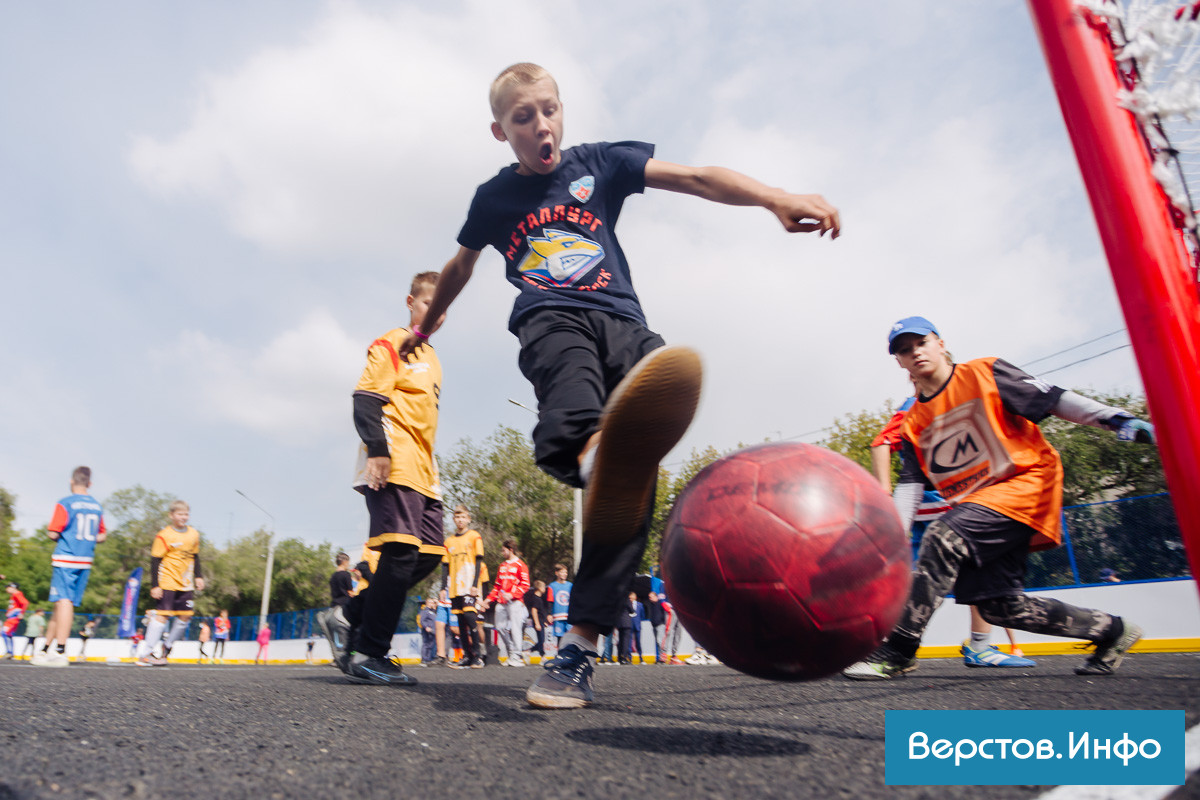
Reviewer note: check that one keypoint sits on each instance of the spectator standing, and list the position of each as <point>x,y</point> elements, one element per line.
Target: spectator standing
<point>536,606</point>
<point>657,617</point>
<point>558,596</point>
<point>220,634</point>
<point>627,628</point>
<point>85,635</point>
<point>332,621</point>
<point>35,627</point>
<point>462,575</point>
<point>508,596</point>
<point>264,641</point>
<point>441,628</point>
<point>427,622</point>
<point>204,637</point>
<point>12,618</point>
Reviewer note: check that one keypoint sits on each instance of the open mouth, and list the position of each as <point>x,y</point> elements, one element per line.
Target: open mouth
<point>545,152</point>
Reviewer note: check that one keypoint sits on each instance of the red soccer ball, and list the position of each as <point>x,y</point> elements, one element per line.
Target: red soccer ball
<point>786,561</point>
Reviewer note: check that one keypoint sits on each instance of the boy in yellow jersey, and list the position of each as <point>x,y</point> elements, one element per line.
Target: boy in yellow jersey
<point>613,399</point>
<point>972,435</point>
<point>395,414</point>
<point>174,579</point>
<point>462,575</point>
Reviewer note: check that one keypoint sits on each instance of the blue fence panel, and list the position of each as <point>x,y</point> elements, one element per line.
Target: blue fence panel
<point>1137,538</point>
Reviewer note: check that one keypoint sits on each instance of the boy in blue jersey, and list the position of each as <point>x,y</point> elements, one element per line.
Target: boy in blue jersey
<point>558,595</point>
<point>77,526</point>
<point>612,398</point>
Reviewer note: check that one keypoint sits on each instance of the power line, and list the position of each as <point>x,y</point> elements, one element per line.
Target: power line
<point>1046,372</point>
<point>1080,361</point>
<point>1075,347</point>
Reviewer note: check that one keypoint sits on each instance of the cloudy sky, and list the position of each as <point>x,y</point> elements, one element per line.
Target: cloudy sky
<point>207,211</point>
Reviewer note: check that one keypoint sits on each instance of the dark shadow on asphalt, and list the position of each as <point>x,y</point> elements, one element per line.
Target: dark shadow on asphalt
<point>677,742</point>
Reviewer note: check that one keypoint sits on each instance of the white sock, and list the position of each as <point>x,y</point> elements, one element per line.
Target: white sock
<point>178,628</point>
<point>154,632</point>
<point>587,465</point>
<point>980,640</point>
<point>577,640</point>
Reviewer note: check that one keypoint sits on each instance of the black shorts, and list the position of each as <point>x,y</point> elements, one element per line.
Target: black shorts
<point>176,604</point>
<point>460,604</point>
<point>575,357</point>
<point>998,545</point>
<point>404,515</point>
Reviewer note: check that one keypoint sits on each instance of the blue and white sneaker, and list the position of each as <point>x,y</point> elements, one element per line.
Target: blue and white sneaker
<point>566,681</point>
<point>990,656</point>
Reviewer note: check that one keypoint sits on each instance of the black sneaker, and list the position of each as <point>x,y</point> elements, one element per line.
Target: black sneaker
<point>1109,655</point>
<point>477,664</point>
<point>377,671</point>
<point>463,663</point>
<point>566,681</point>
<point>881,665</point>
<point>336,628</point>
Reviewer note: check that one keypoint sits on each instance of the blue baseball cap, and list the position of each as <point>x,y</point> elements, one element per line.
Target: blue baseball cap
<point>917,325</point>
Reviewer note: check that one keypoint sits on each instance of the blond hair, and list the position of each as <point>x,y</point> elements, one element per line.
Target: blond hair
<point>516,75</point>
<point>176,505</point>
<point>423,280</point>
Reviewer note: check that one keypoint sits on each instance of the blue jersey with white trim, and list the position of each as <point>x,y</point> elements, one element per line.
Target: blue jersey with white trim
<point>79,521</point>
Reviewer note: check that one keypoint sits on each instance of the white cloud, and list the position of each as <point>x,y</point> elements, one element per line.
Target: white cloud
<point>370,132</point>
<point>295,388</point>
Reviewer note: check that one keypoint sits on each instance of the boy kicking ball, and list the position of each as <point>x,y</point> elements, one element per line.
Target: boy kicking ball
<point>973,435</point>
<point>612,398</point>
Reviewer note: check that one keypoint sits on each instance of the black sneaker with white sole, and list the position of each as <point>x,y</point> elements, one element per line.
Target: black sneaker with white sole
<point>377,671</point>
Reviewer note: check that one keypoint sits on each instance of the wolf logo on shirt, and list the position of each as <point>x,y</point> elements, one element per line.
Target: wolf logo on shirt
<point>559,258</point>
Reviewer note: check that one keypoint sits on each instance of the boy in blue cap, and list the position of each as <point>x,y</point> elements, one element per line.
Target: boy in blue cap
<point>594,364</point>
<point>972,434</point>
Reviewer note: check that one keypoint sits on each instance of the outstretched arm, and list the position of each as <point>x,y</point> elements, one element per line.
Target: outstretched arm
<point>1085,411</point>
<point>798,213</point>
<point>454,277</point>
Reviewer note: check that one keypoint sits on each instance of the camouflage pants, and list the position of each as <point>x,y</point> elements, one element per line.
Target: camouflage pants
<point>941,556</point>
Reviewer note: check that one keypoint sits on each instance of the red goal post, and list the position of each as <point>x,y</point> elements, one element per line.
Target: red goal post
<point>1151,265</point>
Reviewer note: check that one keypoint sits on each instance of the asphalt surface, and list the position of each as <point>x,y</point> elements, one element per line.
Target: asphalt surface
<point>101,731</point>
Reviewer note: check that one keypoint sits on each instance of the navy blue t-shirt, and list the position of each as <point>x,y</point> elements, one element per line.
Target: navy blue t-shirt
<point>556,231</point>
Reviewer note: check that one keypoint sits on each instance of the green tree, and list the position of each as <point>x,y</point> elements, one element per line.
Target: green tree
<point>669,488</point>
<point>8,536</point>
<point>851,435</point>
<point>134,517</point>
<point>30,566</point>
<point>300,577</point>
<point>509,497</point>
<point>233,577</point>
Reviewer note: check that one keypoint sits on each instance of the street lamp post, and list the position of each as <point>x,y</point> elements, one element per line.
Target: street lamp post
<point>266,597</point>
<point>577,510</point>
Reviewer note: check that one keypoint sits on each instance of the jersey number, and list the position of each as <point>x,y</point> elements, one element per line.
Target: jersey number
<point>86,526</point>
